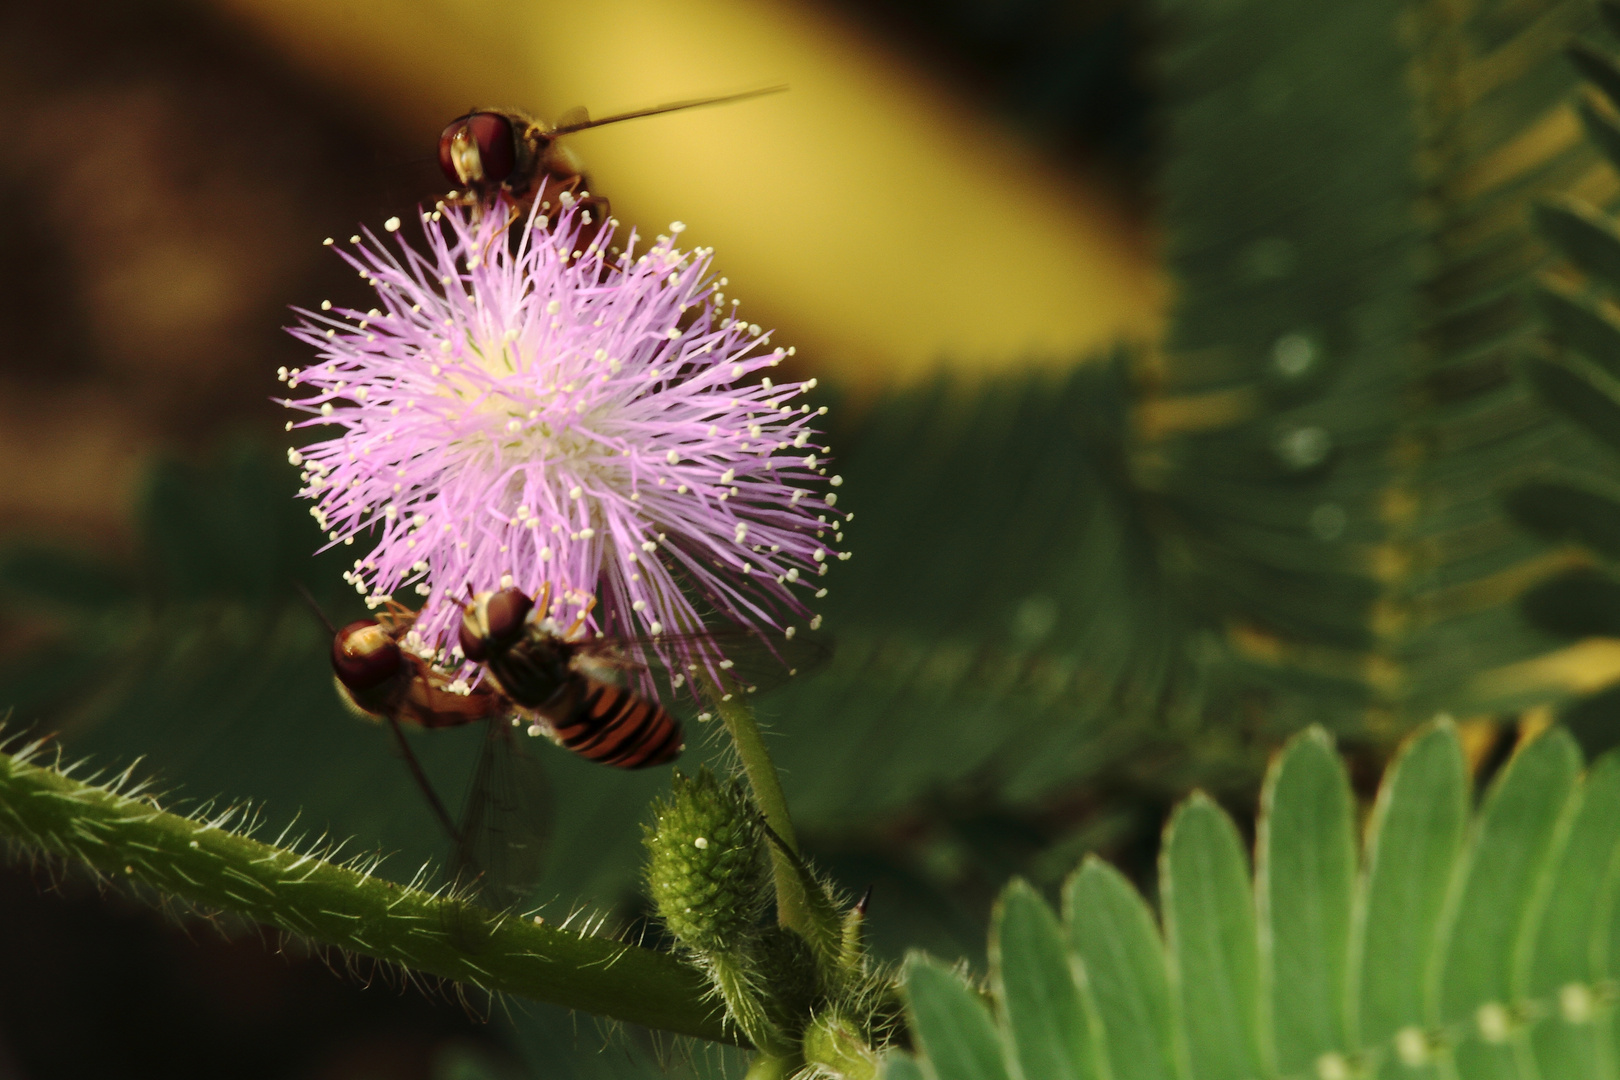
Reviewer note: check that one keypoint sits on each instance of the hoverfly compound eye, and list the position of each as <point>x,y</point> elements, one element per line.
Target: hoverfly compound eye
<point>471,637</point>
<point>479,148</point>
<point>447,146</point>
<point>504,614</point>
<point>364,656</point>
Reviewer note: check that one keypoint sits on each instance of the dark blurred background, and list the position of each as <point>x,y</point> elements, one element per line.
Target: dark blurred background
<point>173,167</point>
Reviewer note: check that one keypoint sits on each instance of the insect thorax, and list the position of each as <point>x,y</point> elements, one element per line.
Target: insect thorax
<point>535,671</point>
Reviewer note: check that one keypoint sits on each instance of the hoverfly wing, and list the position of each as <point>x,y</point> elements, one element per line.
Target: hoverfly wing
<point>567,125</point>
<point>749,659</point>
<point>576,119</point>
<point>505,824</point>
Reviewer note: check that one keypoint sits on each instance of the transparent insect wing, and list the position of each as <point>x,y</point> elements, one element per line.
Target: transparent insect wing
<point>577,117</point>
<point>505,825</point>
<point>743,659</point>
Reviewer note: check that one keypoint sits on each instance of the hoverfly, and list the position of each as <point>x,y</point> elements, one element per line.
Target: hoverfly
<point>378,678</point>
<point>578,690</point>
<point>549,674</point>
<point>488,151</point>
<point>498,842</point>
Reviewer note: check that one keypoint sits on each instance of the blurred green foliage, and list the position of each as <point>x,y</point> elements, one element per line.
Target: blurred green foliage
<point>1579,375</point>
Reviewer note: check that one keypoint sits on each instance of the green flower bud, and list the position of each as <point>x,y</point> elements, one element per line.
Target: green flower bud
<point>706,867</point>
<point>835,1045</point>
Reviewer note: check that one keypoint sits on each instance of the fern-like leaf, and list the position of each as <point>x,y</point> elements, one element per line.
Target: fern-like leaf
<point>1346,202</point>
<point>1579,375</point>
<point>1457,945</point>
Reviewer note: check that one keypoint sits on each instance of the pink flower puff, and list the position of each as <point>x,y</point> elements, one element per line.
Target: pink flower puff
<point>520,411</point>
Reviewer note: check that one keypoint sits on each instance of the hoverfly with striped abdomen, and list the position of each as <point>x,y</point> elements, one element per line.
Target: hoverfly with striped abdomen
<point>590,695</point>
<point>579,689</point>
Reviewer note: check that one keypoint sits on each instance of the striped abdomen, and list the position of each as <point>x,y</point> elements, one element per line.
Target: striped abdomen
<point>609,724</point>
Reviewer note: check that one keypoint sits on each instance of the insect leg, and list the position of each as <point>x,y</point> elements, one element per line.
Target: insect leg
<point>590,605</point>
<point>421,779</point>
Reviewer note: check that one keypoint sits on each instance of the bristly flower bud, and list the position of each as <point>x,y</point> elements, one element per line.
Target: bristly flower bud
<point>837,1048</point>
<point>707,871</point>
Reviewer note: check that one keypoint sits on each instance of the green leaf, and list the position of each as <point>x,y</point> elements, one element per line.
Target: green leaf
<point>1602,130</point>
<point>1304,882</point>
<point>1581,603</point>
<point>1567,511</point>
<point>951,1023</point>
<point>1586,238</point>
<point>1597,69</point>
<point>1210,931</point>
<point>1507,871</point>
<point>1413,840</point>
<point>1561,966</point>
<point>1574,321</point>
<point>1000,642</point>
<point>1587,397</point>
<point>1116,943</point>
<point>899,1066</point>
<point>1508,867</point>
<point>1335,409</point>
<point>1490,959</point>
<point>1594,720</point>
<point>1045,1015</point>
<point>1473,949</point>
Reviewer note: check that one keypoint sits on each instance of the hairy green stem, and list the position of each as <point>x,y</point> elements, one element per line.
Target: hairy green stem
<point>199,861</point>
<point>743,1004</point>
<point>792,901</point>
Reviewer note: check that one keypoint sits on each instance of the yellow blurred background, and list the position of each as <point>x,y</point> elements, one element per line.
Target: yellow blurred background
<point>886,219</point>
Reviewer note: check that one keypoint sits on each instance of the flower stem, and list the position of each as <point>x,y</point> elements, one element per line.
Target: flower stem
<point>793,908</point>
<point>200,861</point>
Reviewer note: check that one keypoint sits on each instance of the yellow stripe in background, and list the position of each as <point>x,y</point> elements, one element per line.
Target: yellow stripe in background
<point>881,221</point>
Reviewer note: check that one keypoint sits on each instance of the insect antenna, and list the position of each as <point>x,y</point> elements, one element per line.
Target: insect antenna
<point>674,106</point>
<point>314,605</point>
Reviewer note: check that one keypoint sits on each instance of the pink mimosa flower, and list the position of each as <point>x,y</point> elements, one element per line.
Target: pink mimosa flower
<point>523,408</point>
